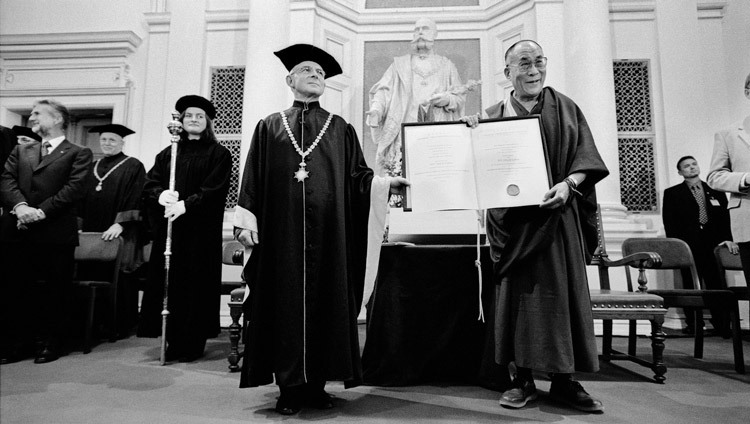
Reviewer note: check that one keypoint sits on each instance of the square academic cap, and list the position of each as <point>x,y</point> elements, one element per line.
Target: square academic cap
<point>196,101</point>
<point>118,129</point>
<point>298,53</point>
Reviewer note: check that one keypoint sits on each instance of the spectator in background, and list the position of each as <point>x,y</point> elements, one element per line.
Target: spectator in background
<point>695,213</point>
<point>41,184</point>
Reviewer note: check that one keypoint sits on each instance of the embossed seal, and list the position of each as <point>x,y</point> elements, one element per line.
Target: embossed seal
<point>513,190</point>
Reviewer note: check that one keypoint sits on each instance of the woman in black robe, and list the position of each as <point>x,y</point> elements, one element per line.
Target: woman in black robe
<point>196,207</point>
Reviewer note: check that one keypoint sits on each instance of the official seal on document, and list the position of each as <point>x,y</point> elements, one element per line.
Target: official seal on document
<point>513,190</point>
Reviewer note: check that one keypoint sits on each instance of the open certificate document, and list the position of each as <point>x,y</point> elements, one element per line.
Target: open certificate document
<point>499,164</point>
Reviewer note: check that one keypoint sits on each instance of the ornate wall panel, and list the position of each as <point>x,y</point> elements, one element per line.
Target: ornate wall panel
<point>635,135</point>
<point>227,93</point>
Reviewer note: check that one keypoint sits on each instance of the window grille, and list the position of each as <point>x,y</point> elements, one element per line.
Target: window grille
<point>633,96</point>
<point>637,176</point>
<point>635,135</point>
<point>234,183</point>
<point>227,94</point>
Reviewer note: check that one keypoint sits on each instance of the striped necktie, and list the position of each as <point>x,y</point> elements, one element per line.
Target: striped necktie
<point>701,199</point>
<point>45,148</point>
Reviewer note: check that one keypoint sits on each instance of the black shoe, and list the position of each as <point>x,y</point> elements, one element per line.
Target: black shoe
<point>290,401</point>
<point>572,394</point>
<point>319,399</point>
<point>47,354</point>
<point>522,392</point>
<point>190,357</point>
<point>15,352</point>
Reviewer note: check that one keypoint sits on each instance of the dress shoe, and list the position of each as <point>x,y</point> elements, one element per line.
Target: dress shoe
<point>15,352</point>
<point>287,406</point>
<point>191,357</point>
<point>290,400</point>
<point>319,399</point>
<point>571,393</point>
<point>47,354</point>
<point>522,392</point>
<point>10,357</point>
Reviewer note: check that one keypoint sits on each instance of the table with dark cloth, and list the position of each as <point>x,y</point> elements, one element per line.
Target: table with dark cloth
<point>422,324</point>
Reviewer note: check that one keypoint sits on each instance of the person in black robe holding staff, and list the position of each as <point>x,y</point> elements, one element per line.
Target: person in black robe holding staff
<point>196,207</point>
<point>113,207</point>
<point>306,204</point>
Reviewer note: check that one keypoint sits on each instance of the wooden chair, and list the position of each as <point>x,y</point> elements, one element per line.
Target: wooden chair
<point>93,250</point>
<point>232,254</point>
<point>726,261</point>
<point>676,255</point>
<point>608,304</point>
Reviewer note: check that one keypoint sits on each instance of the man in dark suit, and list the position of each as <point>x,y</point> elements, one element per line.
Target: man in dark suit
<point>697,214</point>
<point>40,185</point>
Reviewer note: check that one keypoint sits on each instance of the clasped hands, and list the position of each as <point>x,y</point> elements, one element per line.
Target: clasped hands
<point>173,207</point>
<point>28,215</point>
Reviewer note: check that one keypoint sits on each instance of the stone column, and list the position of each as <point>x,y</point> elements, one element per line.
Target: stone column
<point>265,89</point>
<point>589,81</point>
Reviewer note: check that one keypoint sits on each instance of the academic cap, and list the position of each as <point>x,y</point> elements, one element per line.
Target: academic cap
<point>118,129</point>
<point>26,131</point>
<point>196,101</point>
<point>298,53</point>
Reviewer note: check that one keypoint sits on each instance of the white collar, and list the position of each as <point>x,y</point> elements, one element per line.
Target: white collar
<point>54,142</point>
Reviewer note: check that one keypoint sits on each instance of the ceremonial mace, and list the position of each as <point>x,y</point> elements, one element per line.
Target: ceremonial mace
<point>175,128</point>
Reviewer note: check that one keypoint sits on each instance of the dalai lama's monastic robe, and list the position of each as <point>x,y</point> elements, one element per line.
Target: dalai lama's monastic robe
<point>306,274</point>
<point>543,316</point>
<point>203,172</point>
<point>117,201</point>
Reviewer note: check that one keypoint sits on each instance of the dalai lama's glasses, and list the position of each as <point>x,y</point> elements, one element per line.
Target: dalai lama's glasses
<point>310,70</point>
<point>525,65</point>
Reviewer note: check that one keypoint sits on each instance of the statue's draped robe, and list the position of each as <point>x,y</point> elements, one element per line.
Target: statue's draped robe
<point>398,96</point>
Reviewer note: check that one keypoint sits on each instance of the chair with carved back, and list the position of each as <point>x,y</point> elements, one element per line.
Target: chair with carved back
<point>232,254</point>
<point>676,255</point>
<point>93,251</point>
<point>726,261</point>
<point>631,305</point>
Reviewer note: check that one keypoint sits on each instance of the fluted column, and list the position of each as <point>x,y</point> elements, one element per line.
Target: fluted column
<point>265,89</point>
<point>589,81</point>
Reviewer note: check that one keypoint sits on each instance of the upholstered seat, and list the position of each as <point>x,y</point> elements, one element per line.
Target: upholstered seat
<point>676,255</point>
<point>631,305</point>
<point>92,249</point>
<point>726,261</point>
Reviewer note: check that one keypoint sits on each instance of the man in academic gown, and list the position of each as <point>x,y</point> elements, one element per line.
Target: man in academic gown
<point>40,185</point>
<point>543,316</point>
<point>305,206</point>
<point>113,207</point>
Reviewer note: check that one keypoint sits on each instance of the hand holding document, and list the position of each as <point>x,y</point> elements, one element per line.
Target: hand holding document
<point>500,163</point>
